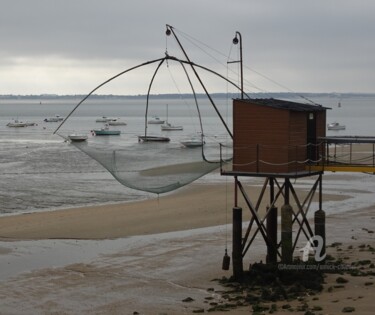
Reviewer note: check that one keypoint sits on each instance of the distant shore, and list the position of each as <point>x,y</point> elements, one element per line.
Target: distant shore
<point>199,95</point>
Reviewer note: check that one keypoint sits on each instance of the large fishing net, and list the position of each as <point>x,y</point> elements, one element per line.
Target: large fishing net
<point>140,153</point>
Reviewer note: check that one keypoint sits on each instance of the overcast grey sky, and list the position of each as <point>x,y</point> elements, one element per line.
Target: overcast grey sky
<point>70,46</point>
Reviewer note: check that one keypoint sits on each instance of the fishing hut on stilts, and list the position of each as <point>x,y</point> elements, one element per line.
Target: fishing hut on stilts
<point>278,141</point>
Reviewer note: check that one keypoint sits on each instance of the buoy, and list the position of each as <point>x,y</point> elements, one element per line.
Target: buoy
<point>226,261</point>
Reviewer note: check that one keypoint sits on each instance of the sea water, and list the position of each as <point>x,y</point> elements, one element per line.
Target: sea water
<point>40,171</point>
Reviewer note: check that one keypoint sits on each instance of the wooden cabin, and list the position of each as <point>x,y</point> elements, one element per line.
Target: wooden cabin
<point>272,136</point>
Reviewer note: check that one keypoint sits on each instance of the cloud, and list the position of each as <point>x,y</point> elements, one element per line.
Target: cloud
<point>291,41</point>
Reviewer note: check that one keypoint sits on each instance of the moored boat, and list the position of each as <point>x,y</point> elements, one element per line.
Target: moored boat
<point>116,122</point>
<point>17,123</point>
<point>57,118</point>
<point>169,127</point>
<point>156,121</point>
<point>30,123</point>
<point>335,126</point>
<point>192,143</point>
<point>153,139</point>
<point>104,119</point>
<point>77,137</point>
<point>105,131</point>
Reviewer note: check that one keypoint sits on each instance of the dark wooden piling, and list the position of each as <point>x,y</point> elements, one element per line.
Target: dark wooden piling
<point>237,244</point>
<point>286,233</point>
<point>272,235</point>
<point>320,228</point>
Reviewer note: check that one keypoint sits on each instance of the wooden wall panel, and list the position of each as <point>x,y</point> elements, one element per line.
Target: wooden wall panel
<point>267,139</point>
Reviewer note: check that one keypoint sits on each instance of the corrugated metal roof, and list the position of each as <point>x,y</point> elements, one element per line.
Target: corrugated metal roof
<point>282,104</point>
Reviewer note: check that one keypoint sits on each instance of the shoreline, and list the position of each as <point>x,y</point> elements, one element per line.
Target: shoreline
<point>155,274</point>
<point>150,256</point>
<point>198,205</point>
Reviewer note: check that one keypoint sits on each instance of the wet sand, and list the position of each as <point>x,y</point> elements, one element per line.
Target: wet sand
<point>194,206</point>
<point>152,257</point>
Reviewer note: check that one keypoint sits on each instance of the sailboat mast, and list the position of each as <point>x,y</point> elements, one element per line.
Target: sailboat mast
<point>167,114</point>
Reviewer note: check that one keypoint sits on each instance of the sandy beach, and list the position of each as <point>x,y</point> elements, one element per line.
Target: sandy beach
<point>157,256</point>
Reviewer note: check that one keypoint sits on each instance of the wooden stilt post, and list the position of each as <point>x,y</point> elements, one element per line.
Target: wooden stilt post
<point>272,235</point>
<point>272,226</point>
<point>320,228</point>
<point>237,244</point>
<point>286,227</point>
<point>320,220</point>
<point>286,234</point>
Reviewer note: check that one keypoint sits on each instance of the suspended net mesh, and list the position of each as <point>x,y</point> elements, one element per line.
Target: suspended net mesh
<point>125,134</point>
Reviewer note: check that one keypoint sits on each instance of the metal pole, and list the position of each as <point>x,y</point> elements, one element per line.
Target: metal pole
<point>235,41</point>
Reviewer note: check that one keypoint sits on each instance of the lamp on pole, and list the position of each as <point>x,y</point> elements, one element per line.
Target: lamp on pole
<point>238,39</point>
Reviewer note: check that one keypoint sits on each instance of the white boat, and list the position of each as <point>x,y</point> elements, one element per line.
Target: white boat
<point>104,119</point>
<point>169,127</point>
<point>105,131</point>
<point>192,143</point>
<point>156,121</point>
<point>30,123</point>
<point>17,123</point>
<point>57,118</point>
<point>77,137</point>
<point>116,122</point>
<point>335,126</point>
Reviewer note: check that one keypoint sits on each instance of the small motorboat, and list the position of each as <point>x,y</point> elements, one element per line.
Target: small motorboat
<point>192,143</point>
<point>153,139</point>
<point>105,131</point>
<point>103,119</point>
<point>30,123</point>
<point>57,118</point>
<point>77,137</point>
<point>335,126</point>
<point>156,121</point>
<point>116,122</point>
<point>17,123</point>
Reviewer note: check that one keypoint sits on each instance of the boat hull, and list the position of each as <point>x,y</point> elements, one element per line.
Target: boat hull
<point>173,128</point>
<point>335,126</point>
<point>107,132</point>
<point>156,121</point>
<point>16,125</point>
<point>117,123</point>
<point>192,144</point>
<point>153,139</point>
<point>77,138</point>
<point>54,119</point>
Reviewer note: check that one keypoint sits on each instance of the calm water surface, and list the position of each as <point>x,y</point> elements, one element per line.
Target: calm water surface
<point>39,170</point>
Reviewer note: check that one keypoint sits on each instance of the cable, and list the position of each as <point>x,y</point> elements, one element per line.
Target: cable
<point>190,39</point>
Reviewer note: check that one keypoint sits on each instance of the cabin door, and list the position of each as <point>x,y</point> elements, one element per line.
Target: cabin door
<point>311,137</point>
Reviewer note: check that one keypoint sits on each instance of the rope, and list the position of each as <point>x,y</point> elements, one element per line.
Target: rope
<point>193,41</point>
<point>226,213</point>
<point>102,84</point>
